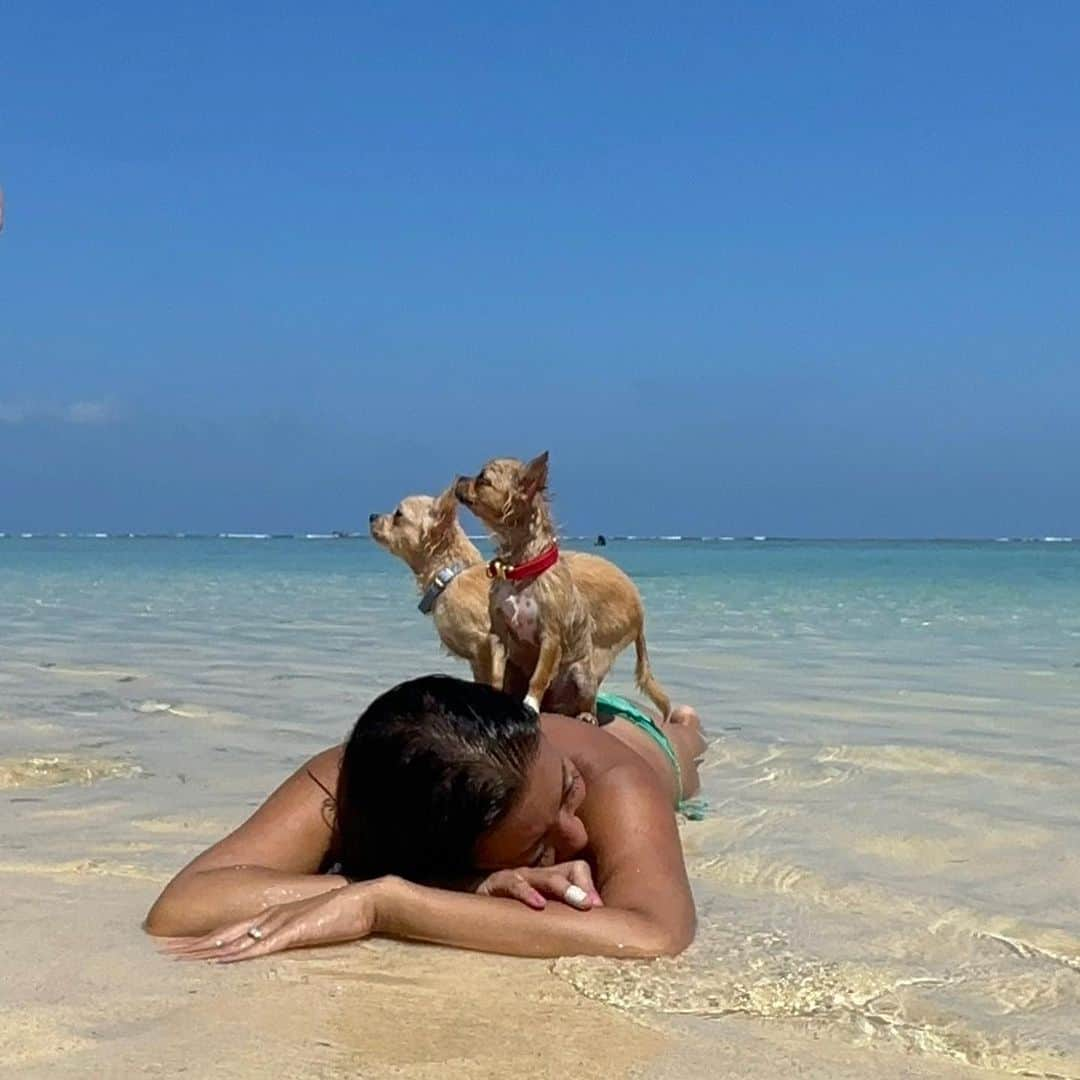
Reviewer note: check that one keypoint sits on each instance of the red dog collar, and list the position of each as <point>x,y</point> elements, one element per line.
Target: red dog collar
<point>531,569</point>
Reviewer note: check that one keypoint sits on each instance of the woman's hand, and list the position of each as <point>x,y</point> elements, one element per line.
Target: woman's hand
<point>570,882</point>
<point>344,914</point>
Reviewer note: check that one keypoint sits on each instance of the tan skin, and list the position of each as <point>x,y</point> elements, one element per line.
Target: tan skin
<point>596,812</point>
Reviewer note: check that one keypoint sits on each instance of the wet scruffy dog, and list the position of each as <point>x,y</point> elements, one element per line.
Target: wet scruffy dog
<point>542,622</point>
<point>451,574</point>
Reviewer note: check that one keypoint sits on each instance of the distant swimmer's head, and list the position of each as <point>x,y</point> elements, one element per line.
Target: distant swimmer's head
<point>433,766</point>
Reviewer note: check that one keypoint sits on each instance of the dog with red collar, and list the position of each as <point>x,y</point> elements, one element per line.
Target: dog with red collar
<point>541,623</point>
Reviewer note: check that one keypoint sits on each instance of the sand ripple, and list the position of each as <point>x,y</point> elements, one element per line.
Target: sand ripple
<point>54,770</point>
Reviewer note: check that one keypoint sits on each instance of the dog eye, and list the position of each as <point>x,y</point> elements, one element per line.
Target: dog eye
<point>481,480</point>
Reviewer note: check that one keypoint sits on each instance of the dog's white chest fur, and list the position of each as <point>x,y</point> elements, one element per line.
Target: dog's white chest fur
<point>520,611</point>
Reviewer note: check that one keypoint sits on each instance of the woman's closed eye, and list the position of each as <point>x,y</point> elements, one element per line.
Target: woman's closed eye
<point>545,852</point>
<point>545,856</point>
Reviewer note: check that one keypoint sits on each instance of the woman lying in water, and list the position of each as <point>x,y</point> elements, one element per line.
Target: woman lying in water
<point>454,815</point>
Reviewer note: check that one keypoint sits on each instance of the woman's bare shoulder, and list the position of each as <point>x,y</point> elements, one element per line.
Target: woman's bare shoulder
<point>291,830</point>
<point>324,767</point>
<point>593,750</point>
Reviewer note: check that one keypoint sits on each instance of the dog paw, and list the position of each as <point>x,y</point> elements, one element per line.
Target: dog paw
<point>588,718</point>
<point>532,705</point>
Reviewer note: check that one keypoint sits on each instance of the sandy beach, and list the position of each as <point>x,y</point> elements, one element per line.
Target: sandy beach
<point>886,876</point>
<point>84,994</point>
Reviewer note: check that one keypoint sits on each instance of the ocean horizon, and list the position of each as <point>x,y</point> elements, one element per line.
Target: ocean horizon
<point>577,537</point>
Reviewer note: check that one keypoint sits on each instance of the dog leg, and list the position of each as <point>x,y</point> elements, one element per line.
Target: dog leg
<point>515,680</point>
<point>496,661</point>
<point>585,686</point>
<point>547,663</point>
<point>602,660</point>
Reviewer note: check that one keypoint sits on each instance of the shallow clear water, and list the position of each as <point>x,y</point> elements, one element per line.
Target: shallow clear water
<point>893,849</point>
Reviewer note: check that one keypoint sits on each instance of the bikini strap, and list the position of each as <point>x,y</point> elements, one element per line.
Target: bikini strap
<point>321,784</point>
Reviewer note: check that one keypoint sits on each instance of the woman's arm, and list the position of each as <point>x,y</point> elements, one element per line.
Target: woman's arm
<point>647,907</point>
<point>273,858</point>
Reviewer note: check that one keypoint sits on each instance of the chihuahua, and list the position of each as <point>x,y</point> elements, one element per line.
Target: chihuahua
<point>564,626</point>
<point>449,570</point>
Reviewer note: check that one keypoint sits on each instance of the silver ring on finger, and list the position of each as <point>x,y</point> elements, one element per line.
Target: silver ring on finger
<point>255,933</point>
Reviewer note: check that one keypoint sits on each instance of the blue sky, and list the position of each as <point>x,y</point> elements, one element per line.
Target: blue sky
<point>793,269</point>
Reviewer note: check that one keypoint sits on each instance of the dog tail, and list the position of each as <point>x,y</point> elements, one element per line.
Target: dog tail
<point>645,679</point>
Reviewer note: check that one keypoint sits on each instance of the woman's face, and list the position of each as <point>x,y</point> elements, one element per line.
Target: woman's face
<point>543,827</point>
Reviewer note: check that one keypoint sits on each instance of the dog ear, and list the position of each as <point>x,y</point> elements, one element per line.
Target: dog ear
<point>444,509</point>
<point>535,478</point>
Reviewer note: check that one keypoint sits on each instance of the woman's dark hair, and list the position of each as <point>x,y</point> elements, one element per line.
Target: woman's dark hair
<point>429,767</point>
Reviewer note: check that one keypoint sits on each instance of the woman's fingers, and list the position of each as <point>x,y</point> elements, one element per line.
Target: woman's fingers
<point>514,886</point>
<point>570,882</point>
<point>580,874</point>
<point>224,935</point>
<point>281,937</point>
<point>562,886</point>
<point>231,940</point>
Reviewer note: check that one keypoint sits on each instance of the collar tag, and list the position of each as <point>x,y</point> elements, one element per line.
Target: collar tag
<point>437,587</point>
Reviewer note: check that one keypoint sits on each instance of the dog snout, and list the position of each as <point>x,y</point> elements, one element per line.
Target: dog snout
<point>372,518</point>
<point>461,488</point>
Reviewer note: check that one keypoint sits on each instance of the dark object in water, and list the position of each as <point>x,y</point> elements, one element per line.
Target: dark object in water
<point>601,540</point>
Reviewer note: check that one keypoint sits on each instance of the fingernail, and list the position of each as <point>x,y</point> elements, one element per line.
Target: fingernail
<point>576,896</point>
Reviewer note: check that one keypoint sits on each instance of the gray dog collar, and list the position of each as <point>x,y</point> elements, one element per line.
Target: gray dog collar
<point>437,586</point>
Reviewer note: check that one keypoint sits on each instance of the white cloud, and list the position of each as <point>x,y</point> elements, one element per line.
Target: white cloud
<point>102,411</point>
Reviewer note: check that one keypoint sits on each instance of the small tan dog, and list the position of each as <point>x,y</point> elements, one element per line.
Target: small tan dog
<point>425,533</point>
<point>451,574</point>
<point>545,619</point>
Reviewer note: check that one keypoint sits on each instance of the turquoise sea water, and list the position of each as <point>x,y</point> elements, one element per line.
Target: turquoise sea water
<point>893,849</point>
